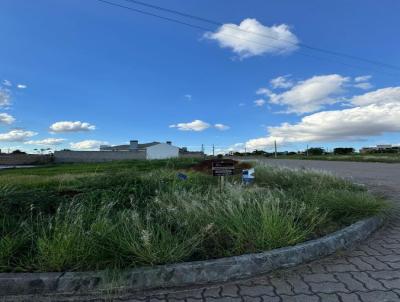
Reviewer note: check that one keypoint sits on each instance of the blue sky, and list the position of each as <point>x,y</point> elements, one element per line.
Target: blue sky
<point>92,73</point>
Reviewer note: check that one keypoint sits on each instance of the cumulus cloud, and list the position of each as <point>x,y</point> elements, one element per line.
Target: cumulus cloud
<point>16,135</point>
<point>221,127</point>
<point>348,124</point>
<point>362,82</point>
<point>5,97</point>
<point>251,38</point>
<point>196,125</point>
<point>46,142</point>
<point>281,82</point>
<point>264,91</point>
<point>380,96</point>
<point>69,126</point>
<point>238,147</point>
<point>22,86</point>
<point>6,118</point>
<point>87,144</point>
<point>364,86</point>
<point>259,102</point>
<point>310,95</point>
<point>364,78</point>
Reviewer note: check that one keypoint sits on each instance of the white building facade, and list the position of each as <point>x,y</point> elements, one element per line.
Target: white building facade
<point>162,151</point>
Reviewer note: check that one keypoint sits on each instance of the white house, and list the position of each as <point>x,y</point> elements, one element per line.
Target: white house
<point>161,151</point>
<point>154,150</point>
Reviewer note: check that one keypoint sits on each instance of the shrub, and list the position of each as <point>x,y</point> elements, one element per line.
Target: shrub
<point>126,217</point>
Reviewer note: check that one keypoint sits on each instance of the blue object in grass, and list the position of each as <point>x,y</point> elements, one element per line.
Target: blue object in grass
<point>182,176</point>
<point>248,176</point>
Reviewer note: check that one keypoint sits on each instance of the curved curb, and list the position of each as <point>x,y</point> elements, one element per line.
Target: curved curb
<point>188,273</point>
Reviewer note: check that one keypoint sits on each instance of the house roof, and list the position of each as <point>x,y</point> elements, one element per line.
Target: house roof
<point>142,146</point>
<point>128,147</point>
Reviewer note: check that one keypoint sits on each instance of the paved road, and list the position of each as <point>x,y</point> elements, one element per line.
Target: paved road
<point>368,272</point>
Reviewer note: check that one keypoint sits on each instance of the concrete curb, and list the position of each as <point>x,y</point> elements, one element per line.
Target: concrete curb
<point>187,273</point>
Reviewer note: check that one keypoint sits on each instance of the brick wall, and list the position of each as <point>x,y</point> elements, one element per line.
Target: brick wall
<point>95,156</point>
<point>25,159</point>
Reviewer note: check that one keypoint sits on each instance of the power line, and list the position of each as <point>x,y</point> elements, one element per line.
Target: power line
<point>218,23</point>
<point>236,37</point>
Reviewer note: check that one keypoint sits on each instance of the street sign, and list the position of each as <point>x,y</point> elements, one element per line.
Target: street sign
<point>223,167</point>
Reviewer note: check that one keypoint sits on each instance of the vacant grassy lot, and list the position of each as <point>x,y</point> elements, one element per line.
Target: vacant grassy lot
<point>378,158</point>
<point>127,214</point>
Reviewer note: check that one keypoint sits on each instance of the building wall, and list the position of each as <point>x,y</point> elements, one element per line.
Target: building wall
<point>192,155</point>
<point>95,156</point>
<point>162,151</point>
<point>25,159</point>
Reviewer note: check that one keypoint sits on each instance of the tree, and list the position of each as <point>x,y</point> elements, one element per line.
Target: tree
<point>315,151</point>
<point>18,152</point>
<point>343,151</point>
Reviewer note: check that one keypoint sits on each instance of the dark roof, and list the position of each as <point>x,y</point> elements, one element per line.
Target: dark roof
<point>128,147</point>
<point>140,146</point>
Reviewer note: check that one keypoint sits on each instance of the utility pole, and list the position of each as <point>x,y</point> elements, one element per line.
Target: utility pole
<point>202,151</point>
<point>307,151</point>
<point>213,150</point>
<point>276,153</point>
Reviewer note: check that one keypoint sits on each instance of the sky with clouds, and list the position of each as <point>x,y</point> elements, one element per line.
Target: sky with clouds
<point>78,74</point>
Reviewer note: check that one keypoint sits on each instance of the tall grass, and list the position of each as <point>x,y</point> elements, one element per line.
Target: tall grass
<point>119,219</point>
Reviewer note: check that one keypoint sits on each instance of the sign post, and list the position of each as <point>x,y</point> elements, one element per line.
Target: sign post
<point>222,168</point>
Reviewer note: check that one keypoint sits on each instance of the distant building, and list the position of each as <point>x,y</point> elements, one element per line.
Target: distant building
<point>183,152</point>
<point>383,147</point>
<point>380,148</point>
<point>153,150</point>
<point>131,151</point>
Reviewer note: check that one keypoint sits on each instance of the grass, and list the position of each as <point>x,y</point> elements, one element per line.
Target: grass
<point>381,158</point>
<point>127,214</point>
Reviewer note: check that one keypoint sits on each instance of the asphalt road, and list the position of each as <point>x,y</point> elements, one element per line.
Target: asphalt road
<point>380,177</point>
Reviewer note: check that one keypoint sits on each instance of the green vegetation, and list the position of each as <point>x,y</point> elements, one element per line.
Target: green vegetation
<point>136,213</point>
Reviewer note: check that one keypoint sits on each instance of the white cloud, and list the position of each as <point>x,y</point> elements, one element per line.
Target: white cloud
<point>364,86</point>
<point>5,97</point>
<point>347,124</point>
<point>22,86</point>
<point>196,125</point>
<point>238,147</point>
<point>7,83</point>
<point>46,142</point>
<point>260,143</point>
<point>5,118</point>
<point>259,102</point>
<point>69,126</point>
<point>362,82</point>
<point>364,78</point>
<point>221,127</point>
<point>16,135</point>
<point>380,96</point>
<point>311,95</point>
<point>87,145</point>
<point>251,38</point>
<point>281,82</point>
<point>264,91</point>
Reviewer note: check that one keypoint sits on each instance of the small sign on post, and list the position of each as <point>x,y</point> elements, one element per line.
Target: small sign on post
<point>222,168</point>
